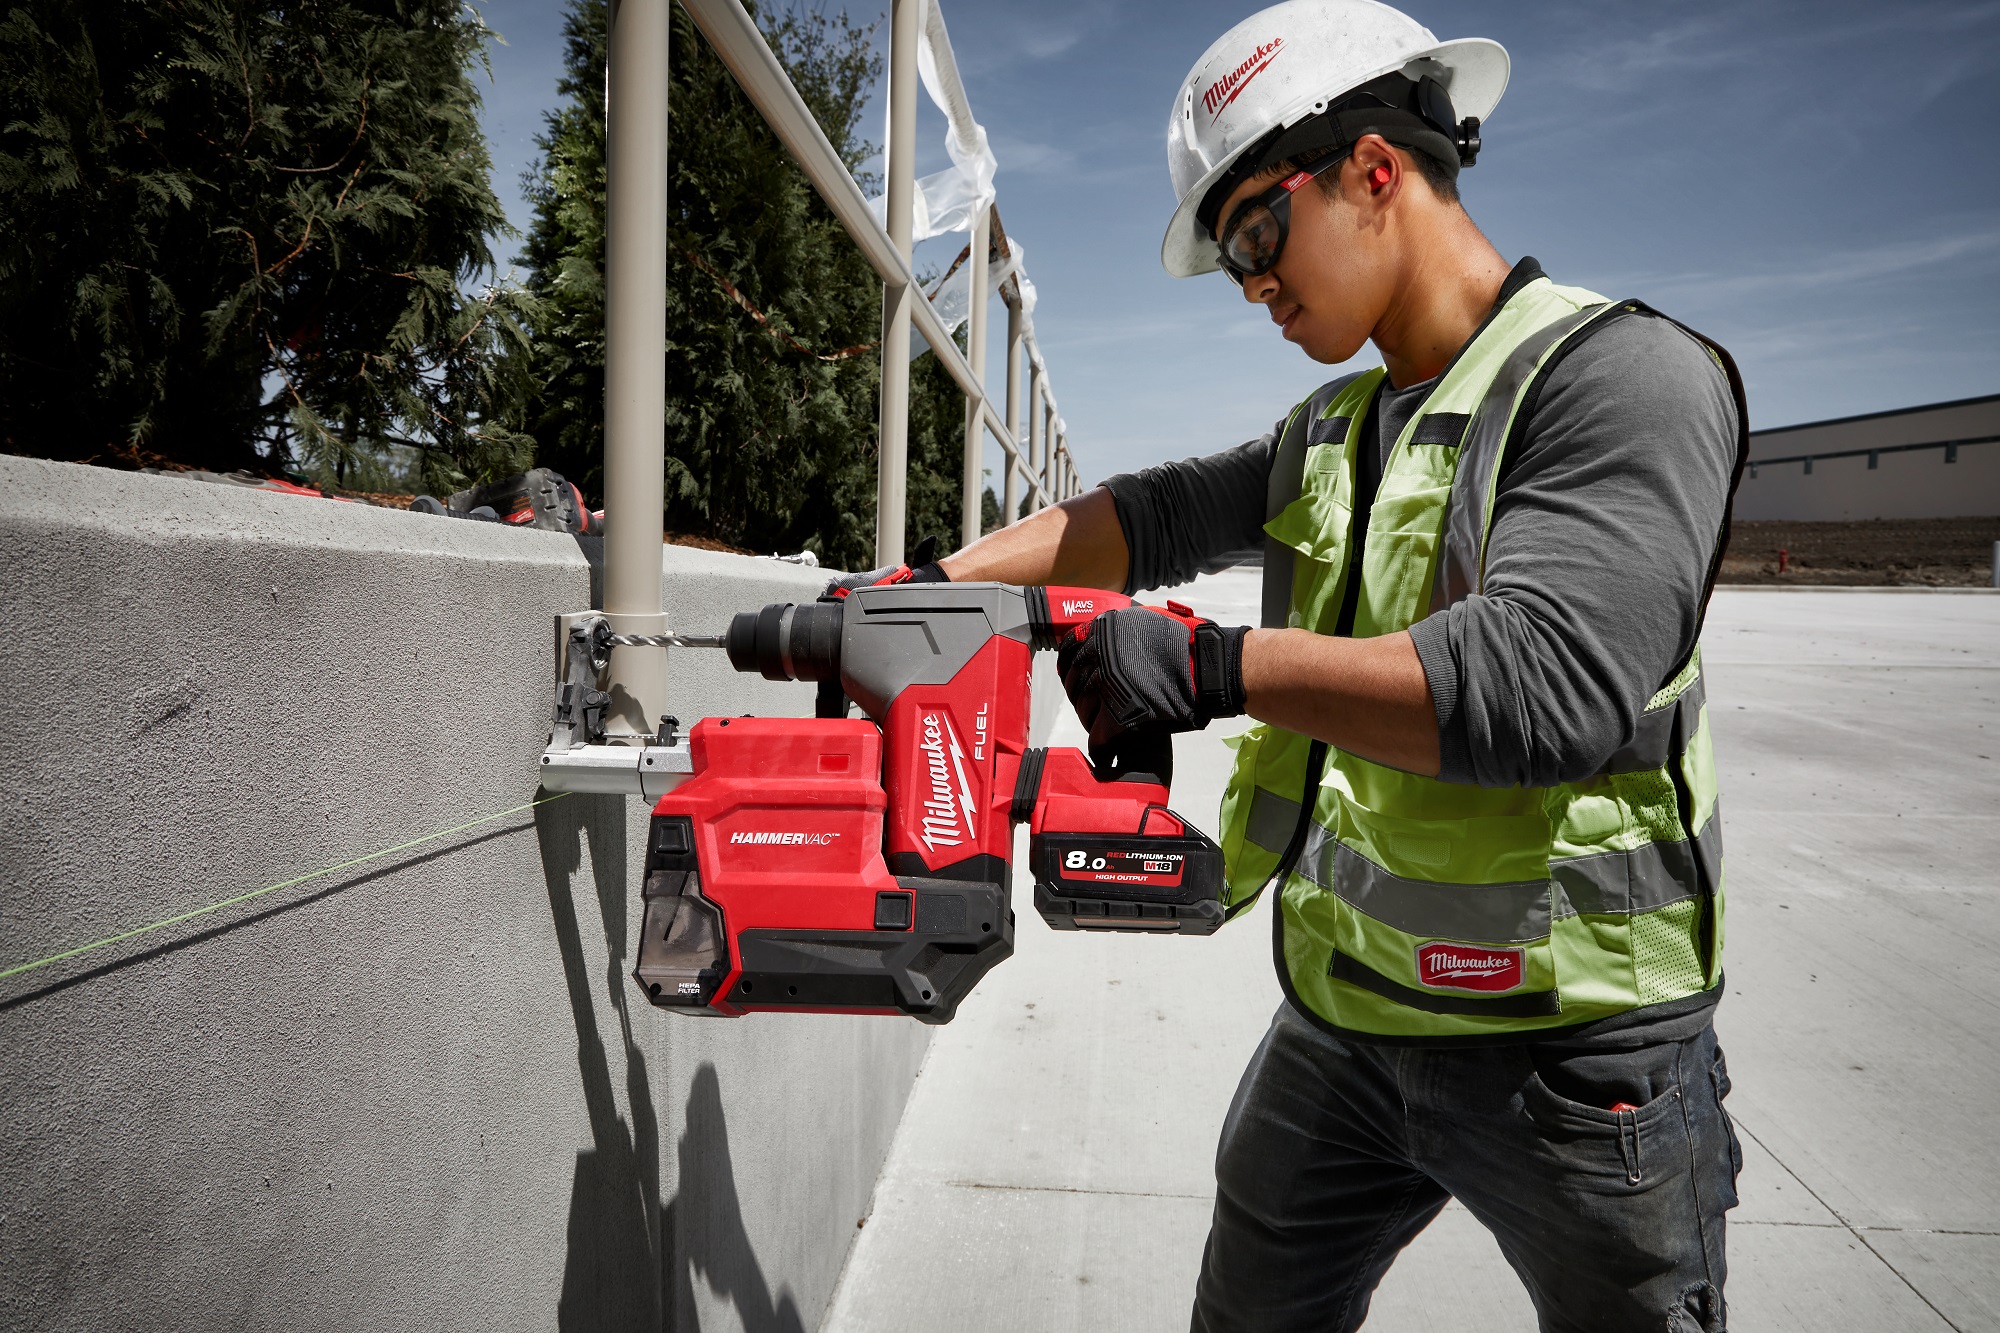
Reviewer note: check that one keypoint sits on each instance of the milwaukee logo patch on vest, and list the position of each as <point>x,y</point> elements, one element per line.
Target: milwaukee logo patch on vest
<point>1468,967</point>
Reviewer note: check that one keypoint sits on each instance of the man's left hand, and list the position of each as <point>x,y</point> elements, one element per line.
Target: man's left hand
<point>1142,669</point>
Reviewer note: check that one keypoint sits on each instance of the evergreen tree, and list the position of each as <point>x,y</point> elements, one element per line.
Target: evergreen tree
<point>237,231</point>
<point>771,416</point>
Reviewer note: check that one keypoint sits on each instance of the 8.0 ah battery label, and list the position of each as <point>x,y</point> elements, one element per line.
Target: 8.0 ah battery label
<point>1113,865</point>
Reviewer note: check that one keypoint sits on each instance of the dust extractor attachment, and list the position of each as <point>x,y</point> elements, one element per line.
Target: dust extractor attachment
<point>861,865</point>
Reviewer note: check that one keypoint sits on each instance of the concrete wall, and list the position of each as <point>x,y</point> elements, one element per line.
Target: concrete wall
<point>1917,484</point>
<point>421,1093</point>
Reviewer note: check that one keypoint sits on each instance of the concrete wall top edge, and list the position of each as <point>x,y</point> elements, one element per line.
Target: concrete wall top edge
<point>39,493</point>
<point>74,497</point>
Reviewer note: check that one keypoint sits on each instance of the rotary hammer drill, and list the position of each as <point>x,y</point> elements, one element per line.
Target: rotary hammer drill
<point>861,865</point>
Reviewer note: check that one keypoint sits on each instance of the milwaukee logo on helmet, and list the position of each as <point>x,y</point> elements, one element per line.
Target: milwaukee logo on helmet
<point>944,807</point>
<point>1224,90</point>
<point>1468,967</point>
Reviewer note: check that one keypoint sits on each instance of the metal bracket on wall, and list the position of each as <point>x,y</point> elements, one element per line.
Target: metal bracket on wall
<point>577,759</point>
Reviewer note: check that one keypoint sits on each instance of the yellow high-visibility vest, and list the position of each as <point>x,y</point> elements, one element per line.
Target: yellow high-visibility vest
<point>1420,908</point>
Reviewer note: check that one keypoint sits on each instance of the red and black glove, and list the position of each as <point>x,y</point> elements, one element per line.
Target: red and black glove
<point>877,578</point>
<point>1142,669</point>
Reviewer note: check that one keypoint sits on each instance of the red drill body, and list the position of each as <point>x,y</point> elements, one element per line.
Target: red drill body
<point>862,866</point>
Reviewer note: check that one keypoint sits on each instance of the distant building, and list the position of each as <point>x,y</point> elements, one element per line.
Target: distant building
<point>1940,461</point>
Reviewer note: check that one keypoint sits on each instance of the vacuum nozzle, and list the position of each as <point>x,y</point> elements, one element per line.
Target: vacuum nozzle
<point>788,641</point>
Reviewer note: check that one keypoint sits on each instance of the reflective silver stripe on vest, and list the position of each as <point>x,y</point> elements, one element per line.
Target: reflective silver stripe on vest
<point>1464,536</point>
<point>1500,912</point>
<point>1652,743</point>
<point>1644,879</point>
<point>1272,819</point>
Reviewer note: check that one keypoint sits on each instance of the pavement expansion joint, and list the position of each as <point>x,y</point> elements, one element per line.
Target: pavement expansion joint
<point>1072,1189</point>
<point>1859,1233</point>
<point>1873,1231</point>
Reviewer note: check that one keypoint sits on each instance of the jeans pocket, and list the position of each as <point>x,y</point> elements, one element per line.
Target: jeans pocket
<point>1628,1146</point>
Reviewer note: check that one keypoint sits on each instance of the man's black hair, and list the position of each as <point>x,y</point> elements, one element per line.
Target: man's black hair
<point>1443,180</point>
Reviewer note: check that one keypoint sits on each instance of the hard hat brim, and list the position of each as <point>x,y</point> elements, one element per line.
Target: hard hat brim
<point>1475,76</point>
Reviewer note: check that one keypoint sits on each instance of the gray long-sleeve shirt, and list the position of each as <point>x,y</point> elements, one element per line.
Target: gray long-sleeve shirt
<point>1604,523</point>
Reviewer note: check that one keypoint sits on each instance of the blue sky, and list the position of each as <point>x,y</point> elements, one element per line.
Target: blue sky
<point>1817,186</point>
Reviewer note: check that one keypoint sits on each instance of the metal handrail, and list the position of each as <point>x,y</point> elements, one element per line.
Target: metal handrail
<point>744,52</point>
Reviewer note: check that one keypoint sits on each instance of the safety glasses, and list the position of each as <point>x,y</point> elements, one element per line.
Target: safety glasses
<point>1255,235</point>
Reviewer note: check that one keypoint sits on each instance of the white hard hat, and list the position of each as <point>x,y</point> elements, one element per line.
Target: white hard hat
<point>1286,64</point>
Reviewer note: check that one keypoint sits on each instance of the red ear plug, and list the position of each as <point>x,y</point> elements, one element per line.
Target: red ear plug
<point>1378,177</point>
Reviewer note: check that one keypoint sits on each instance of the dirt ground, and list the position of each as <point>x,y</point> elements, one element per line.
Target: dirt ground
<point>1932,552</point>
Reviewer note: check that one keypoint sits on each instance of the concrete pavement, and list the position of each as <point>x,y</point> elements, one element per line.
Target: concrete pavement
<point>1053,1168</point>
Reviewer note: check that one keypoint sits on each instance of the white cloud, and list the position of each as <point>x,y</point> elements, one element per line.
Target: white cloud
<point>1973,252</point>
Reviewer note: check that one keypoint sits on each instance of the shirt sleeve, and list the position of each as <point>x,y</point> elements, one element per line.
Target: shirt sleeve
<point>1196,516</point>
<point>1603,529</point>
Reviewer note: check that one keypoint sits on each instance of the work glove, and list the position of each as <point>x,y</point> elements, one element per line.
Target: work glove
<point>926,570</point>
<point>1139,669</point>
<point>877,578</point>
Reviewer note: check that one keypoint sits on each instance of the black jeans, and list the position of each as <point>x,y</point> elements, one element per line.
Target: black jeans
<point>1336,1154</point>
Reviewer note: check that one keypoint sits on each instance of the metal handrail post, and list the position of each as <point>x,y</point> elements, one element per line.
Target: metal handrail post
<point>1011,498</point>
<point>635,391</point>
<point>1034,458</point>
<point>1049,444</point>
<point>975,355</point>
<point>892,457</point>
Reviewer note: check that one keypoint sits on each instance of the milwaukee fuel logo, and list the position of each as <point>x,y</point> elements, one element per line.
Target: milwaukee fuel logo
<point>945,808</point>
<point>1071,608</point>
<point>1224,90</point>
<point>772,838</point>
<point>1468,967</point>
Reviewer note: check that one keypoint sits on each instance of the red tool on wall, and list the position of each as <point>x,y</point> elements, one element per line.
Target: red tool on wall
<point>861,865</point>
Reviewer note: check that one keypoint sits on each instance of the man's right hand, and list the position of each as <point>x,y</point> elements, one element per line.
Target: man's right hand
<point>1144,669</point>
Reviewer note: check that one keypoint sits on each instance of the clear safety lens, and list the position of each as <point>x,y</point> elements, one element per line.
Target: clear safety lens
<point>1252,245</point>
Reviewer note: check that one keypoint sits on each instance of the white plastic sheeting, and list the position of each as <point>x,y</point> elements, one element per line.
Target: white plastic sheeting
<point>953,300</point>
<point>948,200</point>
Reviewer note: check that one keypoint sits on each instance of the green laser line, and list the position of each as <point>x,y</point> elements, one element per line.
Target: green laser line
<point>273,888</point>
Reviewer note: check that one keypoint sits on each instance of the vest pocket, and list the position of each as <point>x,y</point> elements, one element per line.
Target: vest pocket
<point>1396,574</point>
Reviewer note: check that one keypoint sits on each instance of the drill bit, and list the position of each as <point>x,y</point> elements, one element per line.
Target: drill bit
<point>666,640</point>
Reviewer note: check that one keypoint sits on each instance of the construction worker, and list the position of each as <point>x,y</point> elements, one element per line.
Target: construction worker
<point>1480,791</point>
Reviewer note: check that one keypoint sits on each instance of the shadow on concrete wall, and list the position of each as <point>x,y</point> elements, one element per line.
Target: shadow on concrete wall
<point>631,1261</point>
<point>705,1221</point>
<point>612,1275</point>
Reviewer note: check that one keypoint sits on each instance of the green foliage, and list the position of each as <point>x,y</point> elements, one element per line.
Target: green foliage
<point>768,446</point>
<point>237,233</point>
